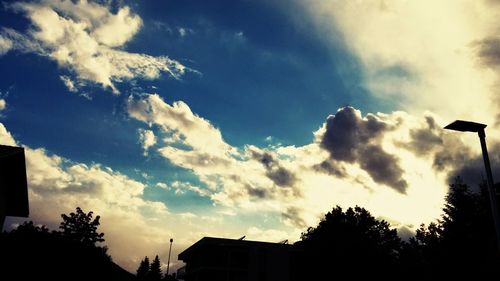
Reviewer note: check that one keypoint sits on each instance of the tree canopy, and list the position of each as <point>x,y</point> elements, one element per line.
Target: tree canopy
<point>81,227</point>
<point>155,270</point>
<point>71,254</point>
<point>149,271</point>
<point>461,243</point>
<point>344,242</point>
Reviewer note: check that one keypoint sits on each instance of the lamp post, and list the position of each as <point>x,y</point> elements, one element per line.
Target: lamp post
<point>467,126</point>
<point>169,250</point>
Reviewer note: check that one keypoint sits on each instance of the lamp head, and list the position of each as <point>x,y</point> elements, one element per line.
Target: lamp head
<point>465,126</point>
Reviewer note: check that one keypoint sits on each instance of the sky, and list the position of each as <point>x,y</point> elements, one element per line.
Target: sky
<point>230,118</point>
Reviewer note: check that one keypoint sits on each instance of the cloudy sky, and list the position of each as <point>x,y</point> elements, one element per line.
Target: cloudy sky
<point>183,119</point>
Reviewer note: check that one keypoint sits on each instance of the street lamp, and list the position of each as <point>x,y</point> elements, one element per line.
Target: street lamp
<point>467,126</point>
<point>169,250</point>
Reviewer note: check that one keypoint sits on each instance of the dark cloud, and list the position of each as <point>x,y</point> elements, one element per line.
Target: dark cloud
<point>452,154</point>
<point>488,51</point>
<point>471,169</point>
<point>346,132</point>
<point>257,192</point>
<point>330,167</point>
<point>281,176</point>
<point>274,171</point>
<point>427,139</point>
<point>350,138</point>
<point>383,167</point>
<point>251,190</point>
<point>264,158</point>
<point>292,215</point>
<point>448,152</point>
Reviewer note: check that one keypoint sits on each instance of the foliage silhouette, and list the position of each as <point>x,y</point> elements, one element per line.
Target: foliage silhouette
<point>143,269</point>
<point>28,227</point>
<point>155,270</point>
<point>462,243</point>
<point>170,277</point>
<point>79,226</point>
<point>55,256</point>
<point>345,242</point>
<point>149,271</point>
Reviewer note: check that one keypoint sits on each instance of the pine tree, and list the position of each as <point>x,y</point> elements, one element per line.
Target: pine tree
<point>461,243</point>
<point>143,270</point>
<point>155,270</point>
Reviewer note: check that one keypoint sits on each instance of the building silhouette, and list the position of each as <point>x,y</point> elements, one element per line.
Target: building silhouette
<point>221,259</point>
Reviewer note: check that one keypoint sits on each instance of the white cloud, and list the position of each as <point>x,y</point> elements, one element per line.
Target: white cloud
<point>147,138</point>
<point>182,31</point>
<point>88,39</point>
<point>5,45</point>
<point>303,183</point>
<point>3,104</point>
<point>178,119</point>
<point>187,215</point>
<point>231,177</point>
<point>182,187</point>
<point>57,185</point>
<point>419,53</point>
<point>162,185</point>
<point>6,137</point>
<point>269,235</point>
<point>69,83</point>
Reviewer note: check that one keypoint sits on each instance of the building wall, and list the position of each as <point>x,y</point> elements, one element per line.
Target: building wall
<point>233,260</point>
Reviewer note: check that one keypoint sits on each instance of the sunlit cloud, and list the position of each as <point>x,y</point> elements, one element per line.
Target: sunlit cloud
<point>343,165</point>
<point>423,55</point>
<point>57,185</point>
<point>433,61</point>
<point>87,39</point>
<point>147,138</point>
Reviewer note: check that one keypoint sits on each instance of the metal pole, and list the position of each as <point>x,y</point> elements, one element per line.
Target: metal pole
<point>491,187</point>
<point>169,250</point>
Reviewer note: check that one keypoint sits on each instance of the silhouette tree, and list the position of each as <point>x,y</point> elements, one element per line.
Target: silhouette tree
<point>54,256</point>
<point>347,242</point>
<point>79,226</point>
<point>461,243</point>
<point>170,277</point>
<point>155,270</point>
<point>28,227</point>
<point>143,269</point>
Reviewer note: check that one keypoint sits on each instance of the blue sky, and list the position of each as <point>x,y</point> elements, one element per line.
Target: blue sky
<point>254,117</point>
<point>252,79</point>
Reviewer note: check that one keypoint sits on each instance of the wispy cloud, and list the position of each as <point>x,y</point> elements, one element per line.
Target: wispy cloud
<point>5,45</point>
<point>70,84</point>
<point>87,39</point>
